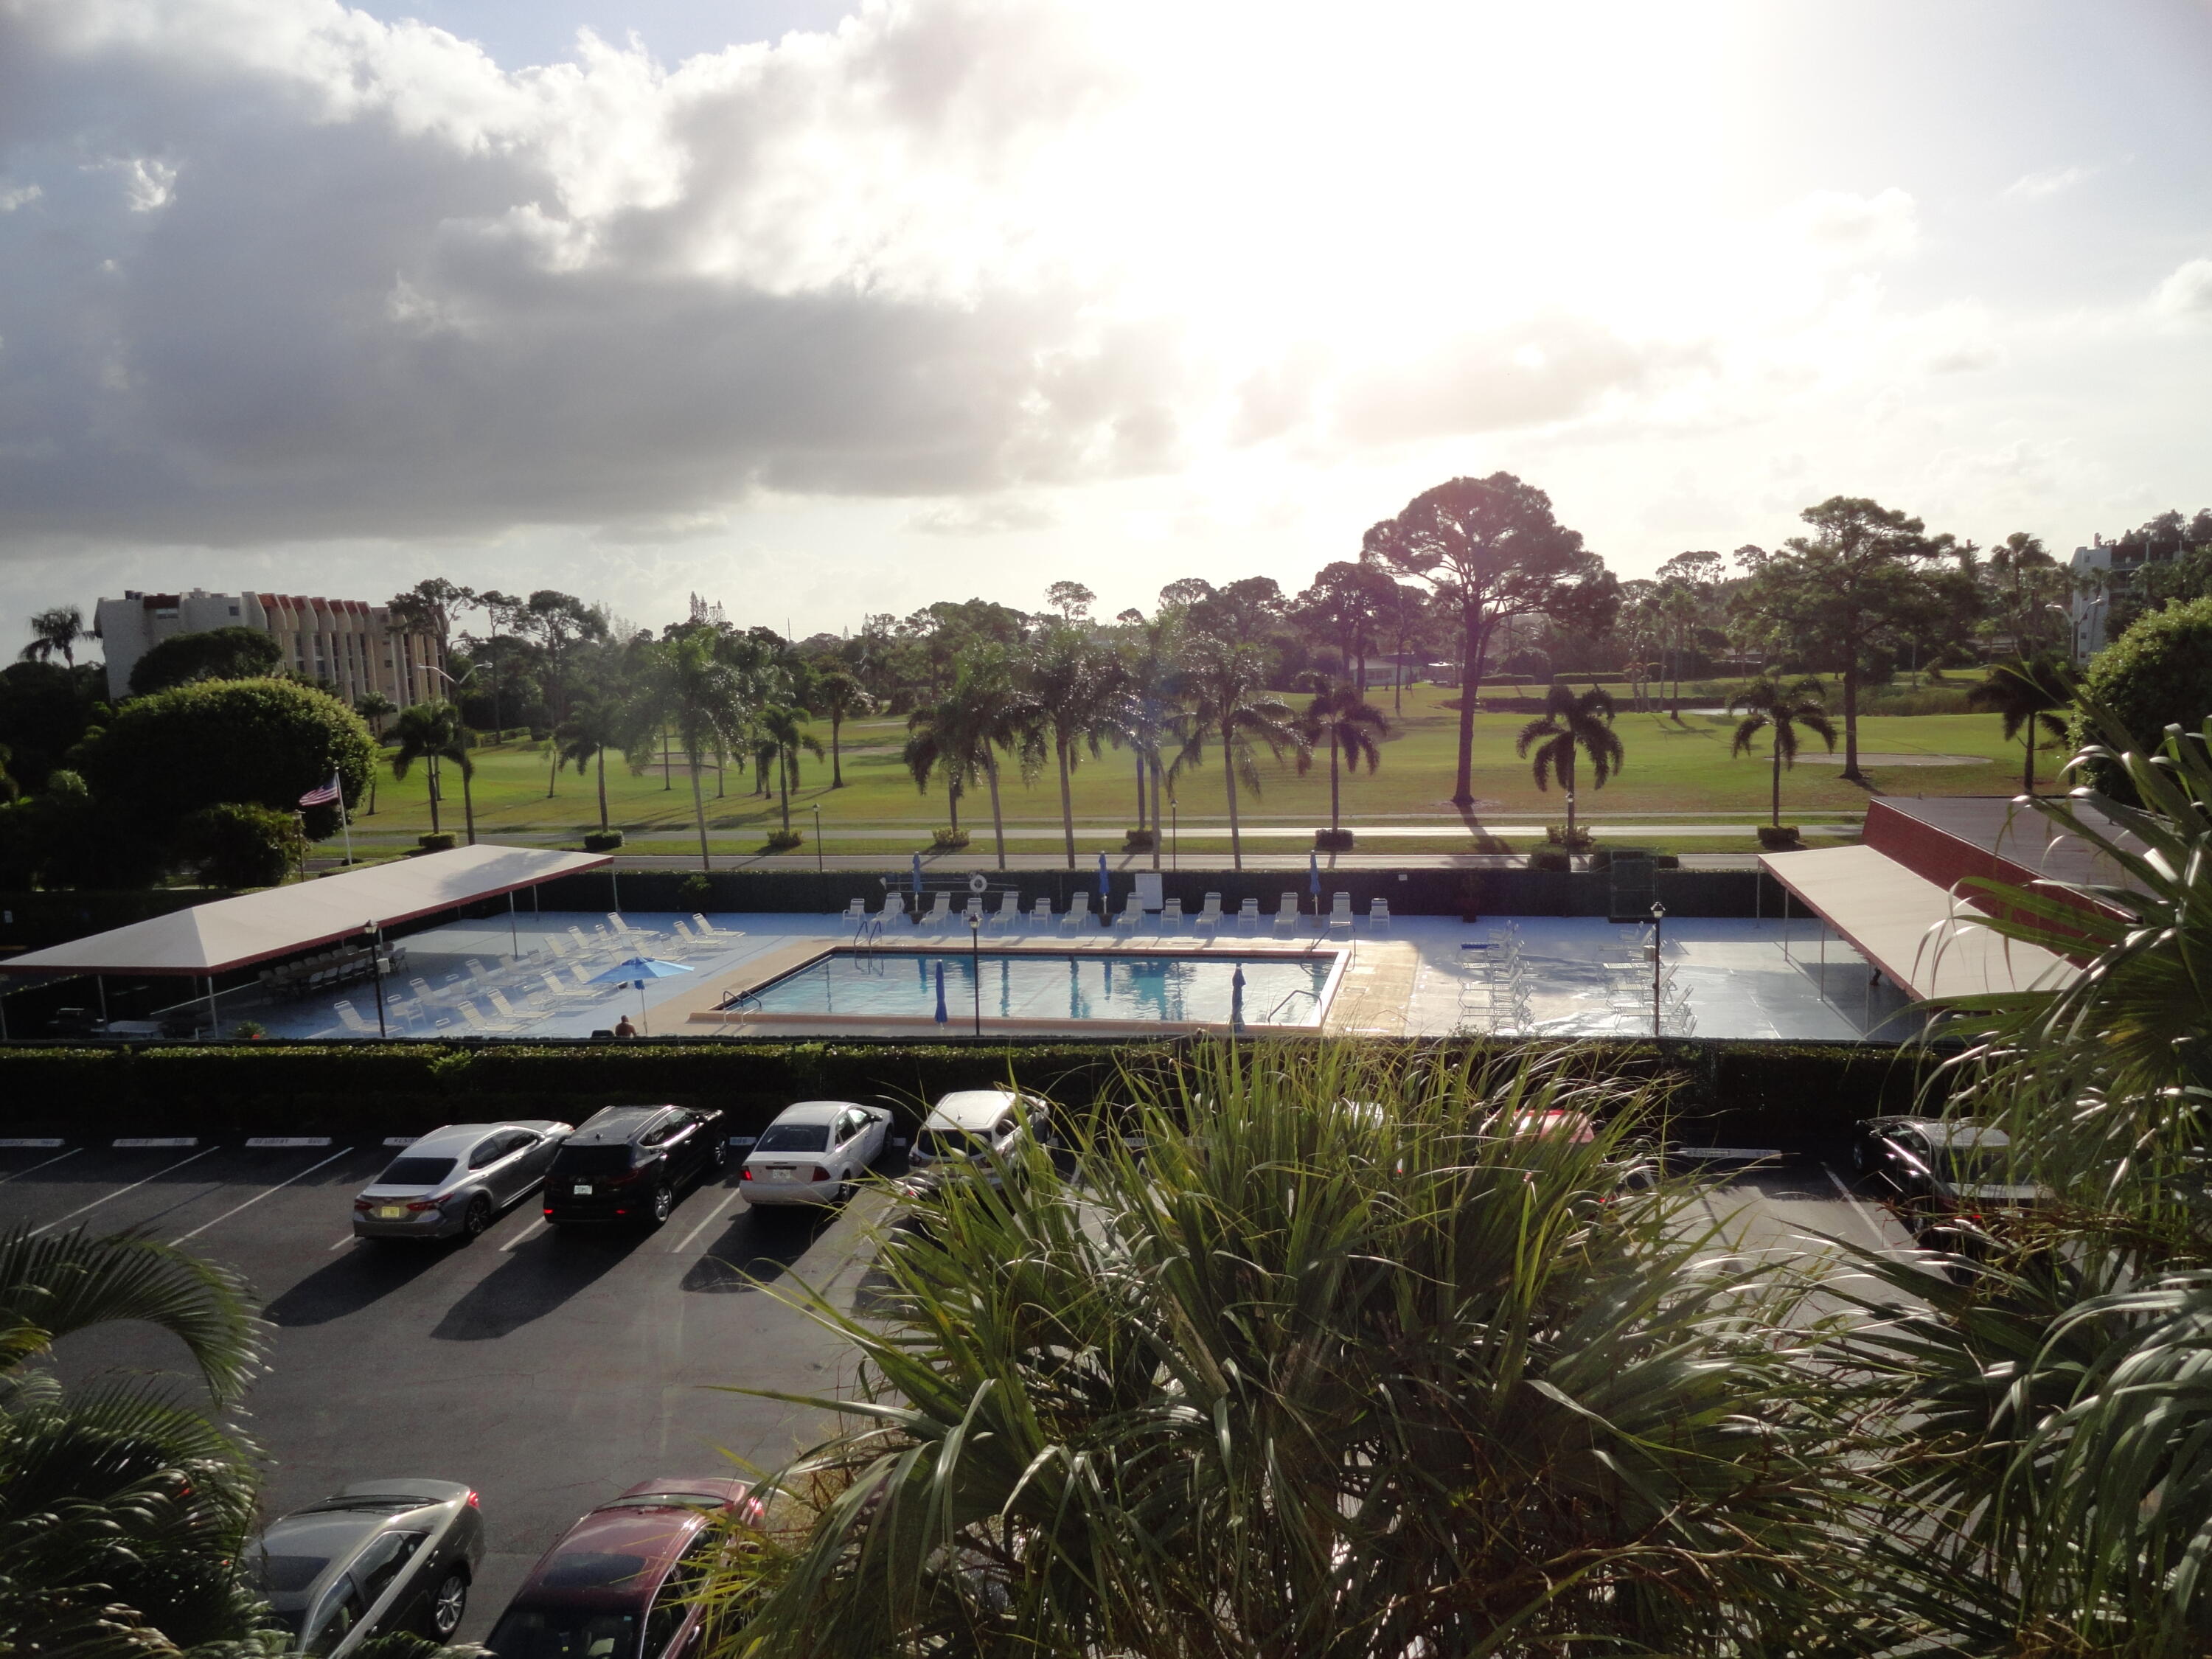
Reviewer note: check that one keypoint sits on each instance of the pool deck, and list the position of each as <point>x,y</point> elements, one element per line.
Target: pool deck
<point>1421,978</point>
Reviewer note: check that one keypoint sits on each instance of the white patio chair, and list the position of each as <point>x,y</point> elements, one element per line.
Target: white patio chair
<point>1041,912</point>
<point>1340,915</point>
<point>559,943</point>
<point>1288,916</point>
<point>1208,920</point>
<point>1008,915</point>
<point>1378,916</point>
<point>561,992</point>
<point>894,908</point>
<point>971,913</point>
<point>857,910</point>
<point>1248,917</point>
<point>1170,916</point>
<point>1078,918</point>
<point>507,1011</point>
<point>940,913</point>
<point>350,1018</point>
<point>1131,918</point>
<point>707,929</point>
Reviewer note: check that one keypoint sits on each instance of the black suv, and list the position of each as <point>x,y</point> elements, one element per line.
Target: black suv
<point>626,1164</point>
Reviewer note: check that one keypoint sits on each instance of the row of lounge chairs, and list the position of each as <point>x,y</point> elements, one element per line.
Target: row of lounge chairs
<point>1288,921</point>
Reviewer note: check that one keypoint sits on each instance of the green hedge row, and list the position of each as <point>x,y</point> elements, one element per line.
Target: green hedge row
<point>1725,1093</point>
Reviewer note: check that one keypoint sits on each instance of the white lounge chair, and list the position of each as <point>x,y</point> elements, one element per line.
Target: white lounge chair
<point>1208,920</point>
<point>1378,916</point>
<point>1132,916</point>
<point>707,929</point>
<point>1288,916</point>
<point>940,914</point>
<point>1078,918</point>
<point>894,908</point>
<point>507,1011</point>
<point>857,910</point>
<point>559,943</point>
<point>1340,915</point>
<point>971,913</point>
<point>1171,915</point>
<point>350,1018</point>
<point>1248,917</point>
<point>1041,912</point>
<point>1008,915</point>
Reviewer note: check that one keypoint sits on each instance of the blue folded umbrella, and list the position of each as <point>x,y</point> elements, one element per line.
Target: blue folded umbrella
<point>1313,874</point>
<point>1236,1000</point>
<point>941,1015</point>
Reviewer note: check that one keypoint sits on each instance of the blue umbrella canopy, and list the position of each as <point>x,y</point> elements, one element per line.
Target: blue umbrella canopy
<point>941,1015</point>
<point>638,968</point>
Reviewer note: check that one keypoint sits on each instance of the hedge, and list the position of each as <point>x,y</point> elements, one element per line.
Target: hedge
<point>1728,1093</point>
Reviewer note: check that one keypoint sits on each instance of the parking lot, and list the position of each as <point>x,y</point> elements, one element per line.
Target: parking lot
<point>551,1369</point>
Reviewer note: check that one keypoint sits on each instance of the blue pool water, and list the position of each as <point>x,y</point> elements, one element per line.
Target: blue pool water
<point>1035,986</point>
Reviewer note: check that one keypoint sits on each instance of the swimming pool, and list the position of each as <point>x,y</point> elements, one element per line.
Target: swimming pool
<point>1279,991</point>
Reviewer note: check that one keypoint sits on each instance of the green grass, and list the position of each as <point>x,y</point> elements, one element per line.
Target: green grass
<point>1681,770</point>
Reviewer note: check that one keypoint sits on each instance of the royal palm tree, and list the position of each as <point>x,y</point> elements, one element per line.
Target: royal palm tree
<point>686,690</point>
<point>60,628</point>
<point>1571,725</point>
<point>121,1506</point>
<point>940,742</point>
<point>962,733</point>
<point>431,733</point>
<point>784,729</point>
<point>595,724</point>
<point>839,696</point>
<point>1768,703</point>
<point>2027,692</point>
<point>1148,713</point>
<point>1341,718</point>
<point>374,708</point>
<point>1230,704</point>
<point>1069,686</point>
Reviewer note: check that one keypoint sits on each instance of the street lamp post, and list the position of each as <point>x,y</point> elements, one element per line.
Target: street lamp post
<point>2072,644</point>
<point>376,969</point>
<point>975,963</point>
<point>1658,920</point>
<point>818,838</point>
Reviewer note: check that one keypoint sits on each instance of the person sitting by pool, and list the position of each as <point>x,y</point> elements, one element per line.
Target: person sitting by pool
<point>623,1028</point>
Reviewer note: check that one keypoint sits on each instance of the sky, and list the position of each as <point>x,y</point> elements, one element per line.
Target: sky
<point>821,310</point>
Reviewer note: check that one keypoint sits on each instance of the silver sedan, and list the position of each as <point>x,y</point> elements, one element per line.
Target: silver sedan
<point>813,1152</point>
<point>457,1181</point>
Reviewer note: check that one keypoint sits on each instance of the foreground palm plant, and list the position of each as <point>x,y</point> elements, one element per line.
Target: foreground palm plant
<point>1346,1357</point>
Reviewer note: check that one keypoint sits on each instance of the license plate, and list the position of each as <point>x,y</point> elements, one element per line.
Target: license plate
<point>583,1189</point>
<point>393,1212</point>
<point>779,1174</point>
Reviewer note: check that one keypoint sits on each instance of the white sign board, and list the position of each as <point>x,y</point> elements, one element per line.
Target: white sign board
<point>1149,897</point>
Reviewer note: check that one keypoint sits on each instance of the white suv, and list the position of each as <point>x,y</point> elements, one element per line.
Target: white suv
<point>969,1124</point>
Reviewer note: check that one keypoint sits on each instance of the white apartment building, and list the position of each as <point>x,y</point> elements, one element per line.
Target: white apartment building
<point>345,643</point>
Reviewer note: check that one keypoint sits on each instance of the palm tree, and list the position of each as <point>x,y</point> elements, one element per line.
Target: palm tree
<point>1318,1382</point>
<point>1230,704</point>
<point>939,742</point>
<point>1767,703</point>
<point>121,1508</point>
<point>58,629</point>
<point>1069,685</point>
<point>1148,714</point>
<point>685,689</point>
<point>962,732</point>
<point>840,696</point>
<point>432,733</point>
<point>780,727</point>
<point>2028,692</point>
<point>1572,725</point>
<point>1347,722</point>
<point>595,724</point>
<point>374,708</point>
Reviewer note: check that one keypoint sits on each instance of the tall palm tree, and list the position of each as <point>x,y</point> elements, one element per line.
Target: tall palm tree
<point>1070,685</point>
<point>1230,704</point>
<point>2027,692</point>
<point>783,728</point>
<point>962,733</point>
<point>595,724</point>
<point>1767,703</point>
<point>1571,725</point>
<point>122,1507</point>
<point>431,733</point>
<point>940,742</point>
<point>1341,718</point>
<point>1148,713</point>
<point>1317,1382</point>
<point>374,708</point>
<point>59,628</point>
<point>684,688</point>
<point>840,696</point>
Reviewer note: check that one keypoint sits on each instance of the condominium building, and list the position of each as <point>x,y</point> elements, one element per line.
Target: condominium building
<point>347,643</point>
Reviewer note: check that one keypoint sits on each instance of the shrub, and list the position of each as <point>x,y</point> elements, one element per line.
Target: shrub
<point>1332,840</point>
<point>783,840</point>
<point>1778,837</point>
<point>696,889</point>
<point>603,841</point>
<point>1139,841</point>
<point>249,1030</point>
<point>2157,674</point>
<point>1578,840</point>
<point>235,845</point>
<point>442,842</point>
<point>948,840</point>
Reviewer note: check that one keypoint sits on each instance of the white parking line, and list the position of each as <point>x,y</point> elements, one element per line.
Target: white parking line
<point>708,1223</point>
<point>1881,1238</point>
<point>341,1245</point>
<point>118,1192</point>
<point>35,1168</point>
<point>259,1196</point>
<point>525,1236</point>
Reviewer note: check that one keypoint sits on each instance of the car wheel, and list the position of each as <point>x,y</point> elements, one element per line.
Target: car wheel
<point>664,1201</point>
<point>477,1222</point>
<point>840,1192</point>
<point>1862,1155</point>
<point>447,1603</point>
<point>718,1157</point>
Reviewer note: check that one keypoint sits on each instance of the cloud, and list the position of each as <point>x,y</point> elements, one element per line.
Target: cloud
<point>990,516</point>
<point>2187,292</point>
<point>2037,186</point>
<point>21,197</point>
<point>1839,226</point>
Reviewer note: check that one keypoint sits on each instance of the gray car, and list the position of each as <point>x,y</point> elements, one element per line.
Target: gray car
<point>457,1181</point>
<point>373,1559</point>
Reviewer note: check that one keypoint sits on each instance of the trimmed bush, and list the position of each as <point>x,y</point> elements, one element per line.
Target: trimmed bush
<point>785,841</point>
<point>697,890</point>
<point>1332,840</point>
<point>443,840</point>
<point>950,841</point>
<point>1778,837</point>
<point>1139,841</point>
<point>603,841</point>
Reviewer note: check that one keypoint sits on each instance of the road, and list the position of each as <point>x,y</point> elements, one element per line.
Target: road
<point>550,1370</point>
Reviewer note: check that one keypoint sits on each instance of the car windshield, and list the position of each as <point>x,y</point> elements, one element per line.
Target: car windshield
<point>793,1138</point>
<point>285,1576</point>
<point>414,1172</point>
<point>948,1143</point>
<point>563,1633</point>
<point>591,1160</point>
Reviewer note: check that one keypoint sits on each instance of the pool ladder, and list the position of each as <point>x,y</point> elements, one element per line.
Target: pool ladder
<point>867,936</point>
<point>1301,992</point>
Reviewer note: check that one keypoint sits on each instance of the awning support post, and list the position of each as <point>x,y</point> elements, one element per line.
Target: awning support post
<point>210,1002</point>
<point>514,939</point>
<point>100,979</point>
<point>1785,922</point>
<point>376,972</point>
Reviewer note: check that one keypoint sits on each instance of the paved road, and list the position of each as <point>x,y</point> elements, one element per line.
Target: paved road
<point>551,1371</point>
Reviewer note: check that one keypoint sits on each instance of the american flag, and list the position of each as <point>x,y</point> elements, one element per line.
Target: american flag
<point>325,796</point>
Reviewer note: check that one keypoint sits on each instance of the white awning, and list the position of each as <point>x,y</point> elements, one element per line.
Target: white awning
<point>212,939</point>
<point>1910,928</point>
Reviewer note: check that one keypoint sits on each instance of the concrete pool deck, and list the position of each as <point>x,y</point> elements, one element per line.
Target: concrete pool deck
<point>1740,978</point>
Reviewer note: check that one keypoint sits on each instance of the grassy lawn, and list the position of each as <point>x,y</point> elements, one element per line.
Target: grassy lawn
<point>1683,772</point>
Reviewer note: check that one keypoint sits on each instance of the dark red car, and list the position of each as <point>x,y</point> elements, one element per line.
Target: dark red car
<point>624,1581</point>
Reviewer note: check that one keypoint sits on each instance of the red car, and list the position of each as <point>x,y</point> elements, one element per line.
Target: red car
<point>624,1581</point>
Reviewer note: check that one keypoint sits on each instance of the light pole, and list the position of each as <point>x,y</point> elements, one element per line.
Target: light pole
<point>375,970</point>
<point>975,963</point>
<point>818,838</point>
<point>1658,920</point>
<point>2072,656</point>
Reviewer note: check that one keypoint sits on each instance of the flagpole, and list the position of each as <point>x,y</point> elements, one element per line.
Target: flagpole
<point>345,821</point>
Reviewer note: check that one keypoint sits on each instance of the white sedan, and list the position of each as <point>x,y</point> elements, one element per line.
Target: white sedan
<point>813,1152</point>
